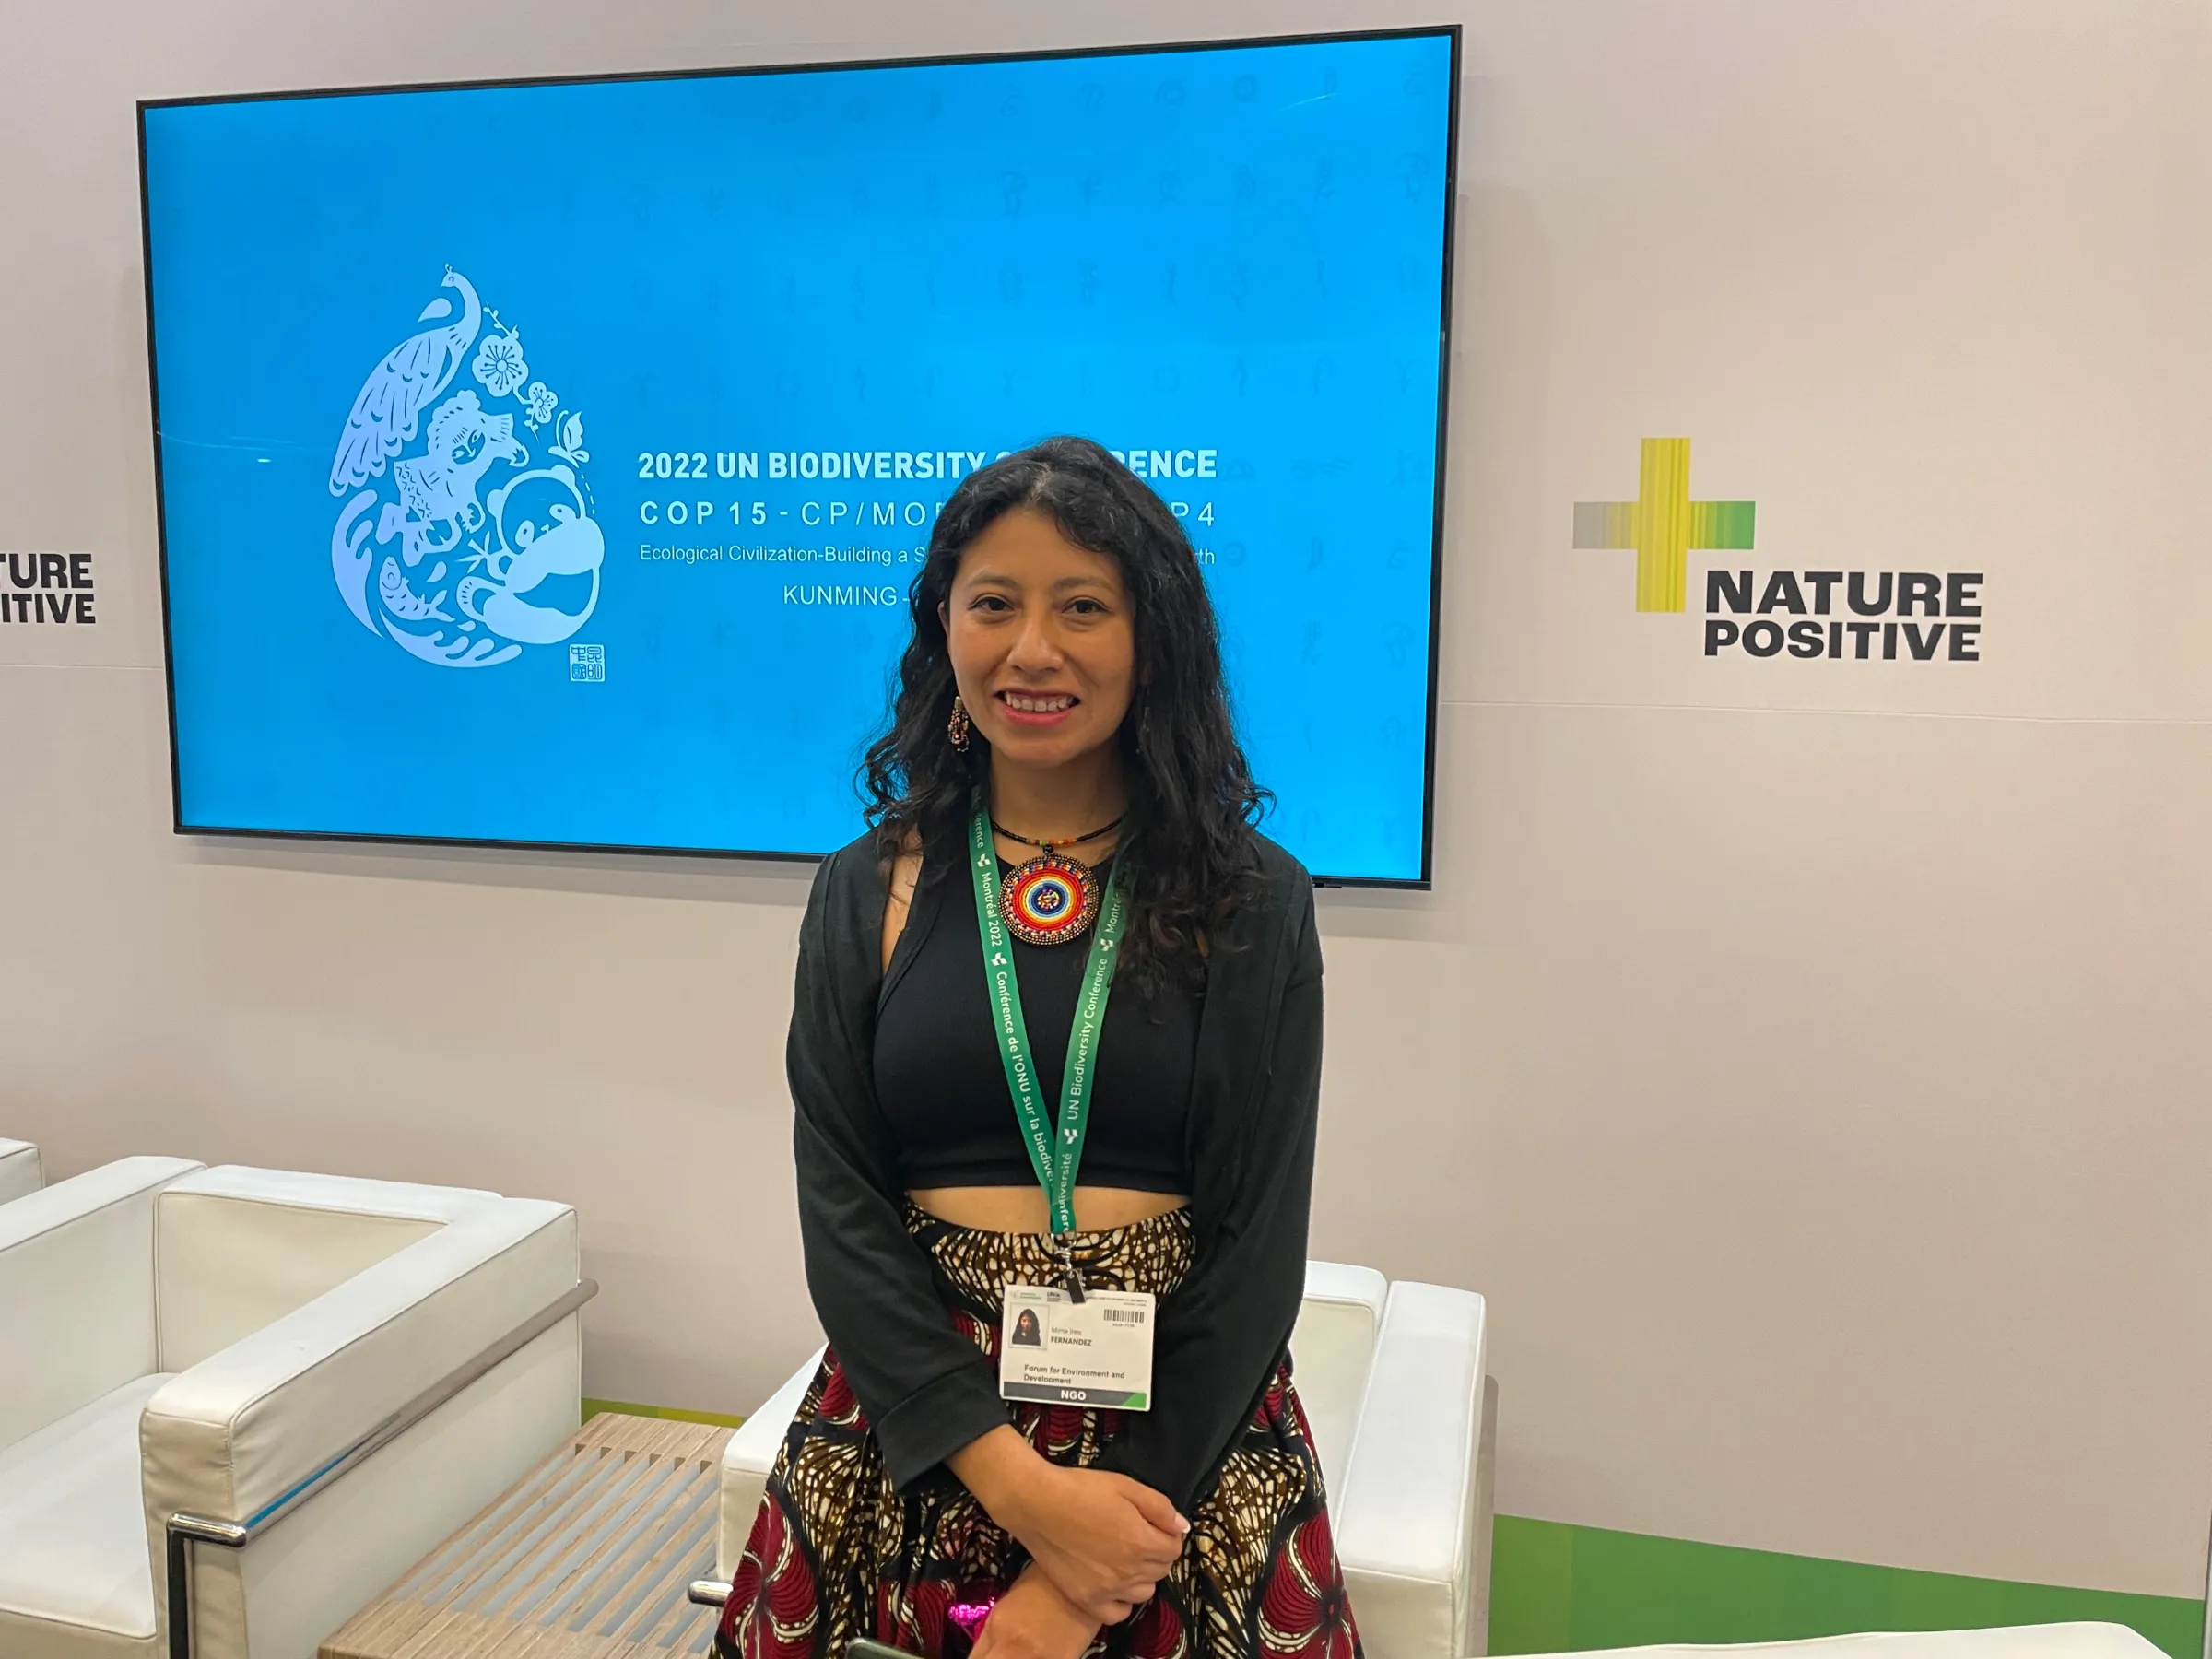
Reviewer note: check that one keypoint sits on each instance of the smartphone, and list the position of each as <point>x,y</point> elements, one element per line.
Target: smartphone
<point>861,1648</point>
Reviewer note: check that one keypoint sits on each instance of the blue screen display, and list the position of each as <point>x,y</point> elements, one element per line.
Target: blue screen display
<point>550,462</point>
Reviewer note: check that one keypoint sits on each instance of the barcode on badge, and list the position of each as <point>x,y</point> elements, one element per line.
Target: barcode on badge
<point>1123,1315</point>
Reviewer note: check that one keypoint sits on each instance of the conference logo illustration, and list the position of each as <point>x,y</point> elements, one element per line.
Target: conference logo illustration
<point>1861,615</point>
<point>466,535</point>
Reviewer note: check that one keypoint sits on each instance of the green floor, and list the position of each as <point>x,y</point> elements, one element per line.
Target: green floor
<point>1555,1587</point>
<point>592,1408</point>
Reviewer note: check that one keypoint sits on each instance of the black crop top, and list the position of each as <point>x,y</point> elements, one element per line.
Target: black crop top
<point>943,1087</point>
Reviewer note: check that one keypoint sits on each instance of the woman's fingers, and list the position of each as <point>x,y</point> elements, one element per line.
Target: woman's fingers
<point>1154,1506</point>
<point>1100,1545</point>
<point>1097,1593</point>
<point>1159,1539</point>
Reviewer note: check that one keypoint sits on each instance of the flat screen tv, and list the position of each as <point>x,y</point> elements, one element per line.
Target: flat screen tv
<point>547,462</point>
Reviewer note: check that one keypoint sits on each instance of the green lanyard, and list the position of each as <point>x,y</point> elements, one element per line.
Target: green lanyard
<point>1055,1166</point>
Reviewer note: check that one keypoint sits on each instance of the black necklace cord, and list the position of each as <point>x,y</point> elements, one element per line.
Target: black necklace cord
<point>1030,840</point>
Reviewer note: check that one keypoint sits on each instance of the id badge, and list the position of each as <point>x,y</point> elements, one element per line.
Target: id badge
<point>1096,1352</point>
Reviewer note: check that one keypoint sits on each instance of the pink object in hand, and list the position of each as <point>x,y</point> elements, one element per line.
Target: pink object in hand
<point>969,1615</point>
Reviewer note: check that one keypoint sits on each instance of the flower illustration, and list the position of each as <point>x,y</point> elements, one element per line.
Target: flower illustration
<point>542,401</point>
<point>499,367</point>
<point>1304,1613</point>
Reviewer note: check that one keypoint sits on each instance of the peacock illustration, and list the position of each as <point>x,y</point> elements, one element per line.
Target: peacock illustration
<point>408,381</point>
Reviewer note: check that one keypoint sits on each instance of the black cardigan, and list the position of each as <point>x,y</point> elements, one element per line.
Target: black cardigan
<point>1254,1100</point>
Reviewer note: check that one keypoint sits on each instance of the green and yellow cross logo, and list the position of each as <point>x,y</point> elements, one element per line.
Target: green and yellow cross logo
<point>1663,525</point>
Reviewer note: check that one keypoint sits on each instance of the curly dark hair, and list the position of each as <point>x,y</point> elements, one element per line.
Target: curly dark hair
<point>1192,800</point>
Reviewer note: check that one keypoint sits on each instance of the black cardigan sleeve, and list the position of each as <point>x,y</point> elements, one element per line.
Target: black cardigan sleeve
<point>925,1389</point>
<point>1218,1337</point>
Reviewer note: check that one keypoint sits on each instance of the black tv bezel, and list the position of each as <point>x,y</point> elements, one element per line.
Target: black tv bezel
<point>1451,31</point>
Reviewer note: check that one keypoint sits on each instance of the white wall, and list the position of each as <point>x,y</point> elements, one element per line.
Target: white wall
<point>1806,1058</point>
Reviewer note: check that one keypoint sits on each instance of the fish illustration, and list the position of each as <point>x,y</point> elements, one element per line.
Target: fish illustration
<point>402,601</point>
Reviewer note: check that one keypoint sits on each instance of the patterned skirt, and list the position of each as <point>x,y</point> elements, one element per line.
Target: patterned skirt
<point>837,1552</point>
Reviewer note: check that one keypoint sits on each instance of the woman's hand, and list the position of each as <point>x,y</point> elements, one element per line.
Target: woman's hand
<point>1034,1620</point>
<point>1104,1540</point>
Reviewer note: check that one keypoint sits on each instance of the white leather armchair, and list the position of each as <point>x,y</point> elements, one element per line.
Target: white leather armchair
<point>19,1169</point>
<point>1404,1418</point>
<point>1396,1384</point>
<point>252,1399</point>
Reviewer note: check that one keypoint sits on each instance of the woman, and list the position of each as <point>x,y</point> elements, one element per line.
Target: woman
<point>1062,793</point>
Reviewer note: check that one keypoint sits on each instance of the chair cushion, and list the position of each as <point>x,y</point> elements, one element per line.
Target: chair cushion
<point>1332,1346</point>
<point>77,1291</point>
<point>72,1524</point>
<point>237,1249</point>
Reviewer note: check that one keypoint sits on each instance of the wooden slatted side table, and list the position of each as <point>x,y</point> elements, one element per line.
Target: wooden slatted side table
<point>587,1557</point>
